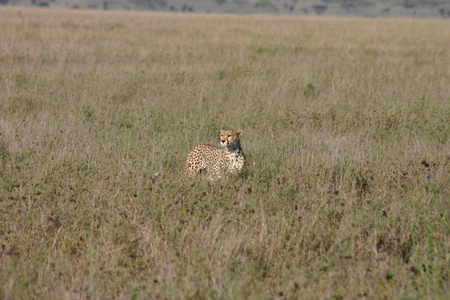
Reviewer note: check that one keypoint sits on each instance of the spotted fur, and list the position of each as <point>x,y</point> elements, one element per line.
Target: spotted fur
<point>216,161</point>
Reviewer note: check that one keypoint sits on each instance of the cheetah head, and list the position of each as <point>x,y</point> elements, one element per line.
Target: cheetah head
<point>230,137</point>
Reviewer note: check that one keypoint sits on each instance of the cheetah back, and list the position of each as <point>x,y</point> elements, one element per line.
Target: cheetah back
<point>205,158</point>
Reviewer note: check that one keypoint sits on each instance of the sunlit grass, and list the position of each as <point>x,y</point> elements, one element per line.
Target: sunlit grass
<point>345,129</point>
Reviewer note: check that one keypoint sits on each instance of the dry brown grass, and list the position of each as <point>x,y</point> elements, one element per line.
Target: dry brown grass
<point>346,194</point>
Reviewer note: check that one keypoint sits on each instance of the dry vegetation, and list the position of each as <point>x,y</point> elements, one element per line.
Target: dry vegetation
<point>346,131</point>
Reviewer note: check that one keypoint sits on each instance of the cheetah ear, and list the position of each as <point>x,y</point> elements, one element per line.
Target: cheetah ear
<point>221,131</point>
<point>239,132</point>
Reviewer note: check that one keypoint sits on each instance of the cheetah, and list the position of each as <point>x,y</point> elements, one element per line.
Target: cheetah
<point>216,161</point>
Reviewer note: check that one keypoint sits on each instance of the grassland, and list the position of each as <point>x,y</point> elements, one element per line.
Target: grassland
<point>359,8</point>
<point>346,131</point>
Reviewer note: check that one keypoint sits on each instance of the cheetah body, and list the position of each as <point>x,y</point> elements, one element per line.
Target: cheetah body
<point>216,161</point>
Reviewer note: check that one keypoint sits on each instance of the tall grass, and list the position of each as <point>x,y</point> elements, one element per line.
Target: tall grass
<point>345,128</point>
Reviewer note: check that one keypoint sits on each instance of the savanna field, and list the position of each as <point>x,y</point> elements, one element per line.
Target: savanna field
<point>345,124</point>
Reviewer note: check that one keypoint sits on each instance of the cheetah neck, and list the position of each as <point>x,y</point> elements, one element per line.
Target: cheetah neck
<point>235,149</point>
